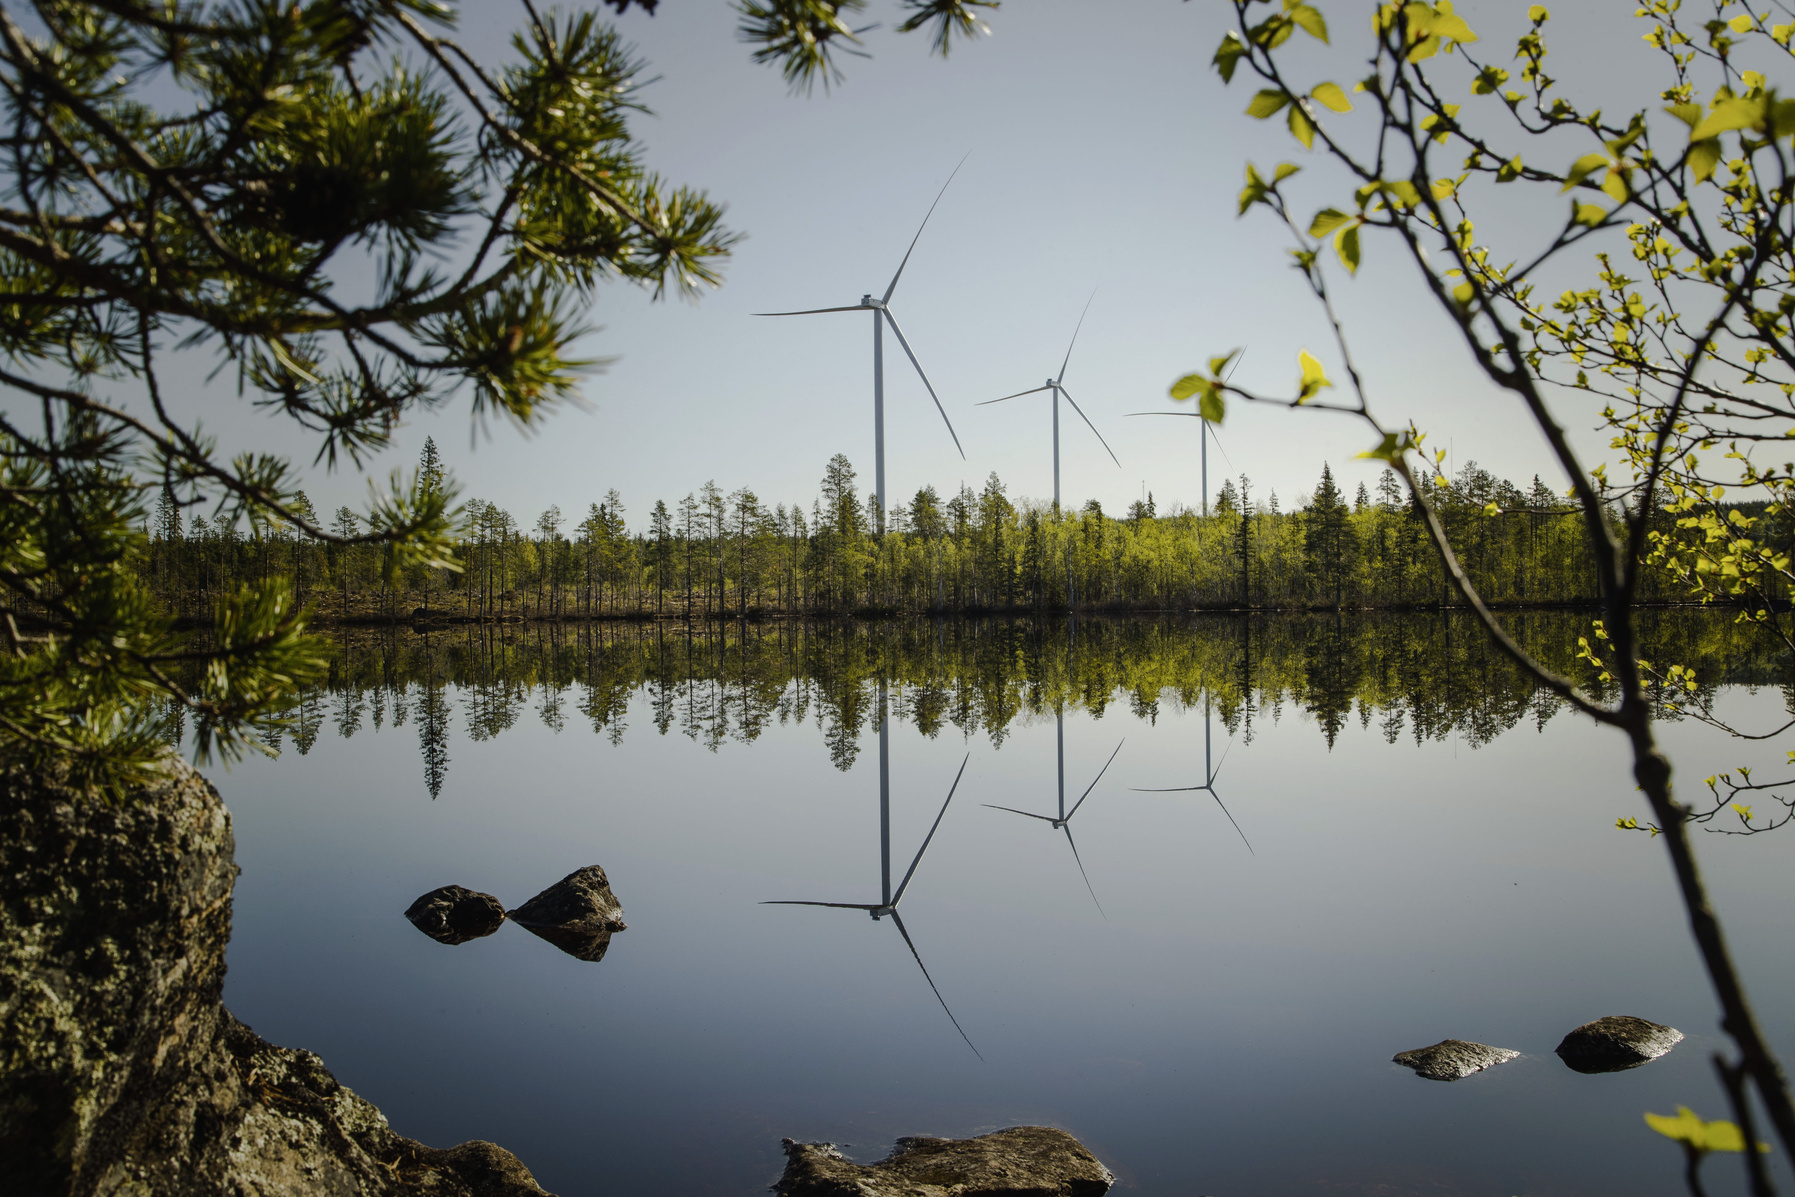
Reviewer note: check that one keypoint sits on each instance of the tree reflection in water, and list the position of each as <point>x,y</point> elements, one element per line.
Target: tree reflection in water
<point>1423,675</point>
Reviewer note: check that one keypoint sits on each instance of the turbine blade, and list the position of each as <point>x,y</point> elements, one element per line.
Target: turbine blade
<point>831,905</point>
<point>1074,341</point>
<point>1014,811</point>
<point>1223,761</point>
<point>904,884</point>
<point>1189,415</point>
<point>1017,395</point>
<point>1230,814</point>
<point>911,354</point>
<point>1095,780</point>
<point>1067,828</point>
<point>859,307</point>
<point>908,942</point>
<point>1166,789</point>
<point>1091,426</point>
<point>920,228</point>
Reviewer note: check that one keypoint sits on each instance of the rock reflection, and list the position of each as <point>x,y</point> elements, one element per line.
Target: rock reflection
<point>454,914</point>
<point>577,914</point>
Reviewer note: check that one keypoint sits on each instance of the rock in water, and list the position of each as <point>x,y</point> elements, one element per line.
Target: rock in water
<point>119,1069</point>
<point>1451,1059</point>
<point>1616,1043</point>
<point>577,914</point>
<point>454,915</point>
<point>1023,1161</point>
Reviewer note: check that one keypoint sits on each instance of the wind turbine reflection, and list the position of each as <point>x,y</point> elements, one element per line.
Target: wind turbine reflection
<point>1063,822</point>
<point>1211,770</point>
<point>888,901</point>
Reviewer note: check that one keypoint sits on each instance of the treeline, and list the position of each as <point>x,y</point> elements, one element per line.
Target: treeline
<point>715,555</point>
<point>1422,676</point>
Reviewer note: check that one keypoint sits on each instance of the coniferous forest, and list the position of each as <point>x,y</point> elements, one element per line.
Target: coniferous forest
<point>715,555</point>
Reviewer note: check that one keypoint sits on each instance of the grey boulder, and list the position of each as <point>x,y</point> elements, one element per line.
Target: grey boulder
<point>454,914</point>
<point>1452,1059</point>
<point>1616,1043</point>
<point>577,914</point>
<point>1023,1161</point>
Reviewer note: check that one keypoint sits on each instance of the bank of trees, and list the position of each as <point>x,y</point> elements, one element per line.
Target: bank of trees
<point>716,555</point>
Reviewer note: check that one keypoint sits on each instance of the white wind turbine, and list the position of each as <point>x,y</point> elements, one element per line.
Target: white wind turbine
<point>882,315</point>
<point>1055,385</point>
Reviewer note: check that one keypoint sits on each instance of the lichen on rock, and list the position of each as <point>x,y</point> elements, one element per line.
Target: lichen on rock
<point>1022,1161</point>
<point>120,1071</point>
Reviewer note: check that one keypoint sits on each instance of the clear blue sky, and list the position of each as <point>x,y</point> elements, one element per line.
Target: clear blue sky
<point>1104,154</point>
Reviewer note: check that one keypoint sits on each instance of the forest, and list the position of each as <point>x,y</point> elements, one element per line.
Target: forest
<point>712,555</point>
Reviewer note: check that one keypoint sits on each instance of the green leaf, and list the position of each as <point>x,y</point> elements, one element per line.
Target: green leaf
<point>1510,170</point>
<point>1538,14</point>
<point>1615,185</point>
<point>1346,244</point>
<point>1463,294</point>
<point>1314,379</point>
<point>1393,446</point>
<point>1685,1126</point>
<point>1488,80</point>
<point>1704,158</point>
<point>1267,103</point>
<point>1311,20</point>
<point>1228,56</point>
<point>1326,221</point>
<point>1301,127</point>
<point>1587,214</point>
<point>1330,95</point>
<point>1284,171</point>
<point>1404,192</point>
<point>1689,114</point>
<point>1218,364</point>
<point>1581,169</point>
<point>1735,113</point>
<point>1211,405</point>
<point>1190,384</point>
<point>1741,23</point>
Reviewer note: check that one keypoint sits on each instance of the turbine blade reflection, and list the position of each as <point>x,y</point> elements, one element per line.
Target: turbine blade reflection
<point>911,944</point>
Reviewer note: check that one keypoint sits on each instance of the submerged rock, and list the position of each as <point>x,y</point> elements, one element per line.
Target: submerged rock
<point>1616,1043</point>
<point>581,903</point>
<point>1023,1161</point>
<point>1452,1059</point>
<point>454,915</point>
<point>120,1071</point>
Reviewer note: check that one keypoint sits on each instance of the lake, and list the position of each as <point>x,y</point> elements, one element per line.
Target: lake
<point>1294,847</point>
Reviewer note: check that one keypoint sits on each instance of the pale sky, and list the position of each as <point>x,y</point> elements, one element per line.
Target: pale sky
<point>1104,155</point>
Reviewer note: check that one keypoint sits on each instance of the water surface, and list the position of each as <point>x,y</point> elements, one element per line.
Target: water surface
<point>1401,842</point>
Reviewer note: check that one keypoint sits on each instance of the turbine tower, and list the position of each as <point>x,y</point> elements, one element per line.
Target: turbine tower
<point>882,315</point>
<point>1207,433</point>
<point>1054,385</point>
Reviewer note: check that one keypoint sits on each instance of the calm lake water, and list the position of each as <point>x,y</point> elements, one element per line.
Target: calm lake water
<point>1403,843</point>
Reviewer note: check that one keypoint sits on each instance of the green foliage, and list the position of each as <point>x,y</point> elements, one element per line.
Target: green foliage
<point>185,186</point>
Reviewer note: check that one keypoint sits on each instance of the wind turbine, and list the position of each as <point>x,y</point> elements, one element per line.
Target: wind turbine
<point>1210,772</point>
<point>888,901</point>
<point>882,315</point>
<point>1064,821</point>
<point>1055,385</point>
<point>1207,433</point>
